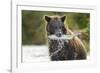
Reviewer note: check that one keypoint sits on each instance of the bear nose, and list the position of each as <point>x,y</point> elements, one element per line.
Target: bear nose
<point>58,34</point>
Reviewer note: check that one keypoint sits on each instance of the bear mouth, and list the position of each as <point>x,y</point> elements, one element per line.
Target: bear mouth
<point>63,37</point>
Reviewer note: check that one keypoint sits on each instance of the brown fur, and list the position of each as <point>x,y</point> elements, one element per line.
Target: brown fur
<point>80,49</point>
<point>73,50</point>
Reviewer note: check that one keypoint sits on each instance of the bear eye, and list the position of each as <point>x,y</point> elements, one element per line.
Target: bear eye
<point>60,26</point>
<point>56,27</point>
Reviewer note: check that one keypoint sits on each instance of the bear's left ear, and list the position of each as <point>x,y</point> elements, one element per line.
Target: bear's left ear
<point>63,18</point>
<point>47,18</point>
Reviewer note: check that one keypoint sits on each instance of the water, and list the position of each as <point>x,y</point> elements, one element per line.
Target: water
<point>59,41</point>
<point>35,53</point>
<point>40,53</point>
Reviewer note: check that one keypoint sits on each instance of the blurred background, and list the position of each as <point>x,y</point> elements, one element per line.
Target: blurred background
<point>33,26</point>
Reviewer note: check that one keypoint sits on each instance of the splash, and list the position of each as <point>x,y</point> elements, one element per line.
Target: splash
<point>59,42</point>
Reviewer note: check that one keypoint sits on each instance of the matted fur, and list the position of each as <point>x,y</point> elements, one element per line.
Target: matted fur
<point>71,50</point>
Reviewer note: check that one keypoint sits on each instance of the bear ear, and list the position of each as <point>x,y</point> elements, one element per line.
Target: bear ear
<point>63,18</point>
<point>47,18</point>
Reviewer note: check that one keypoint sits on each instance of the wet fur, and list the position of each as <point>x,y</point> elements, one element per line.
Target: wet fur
<point>73,50</point>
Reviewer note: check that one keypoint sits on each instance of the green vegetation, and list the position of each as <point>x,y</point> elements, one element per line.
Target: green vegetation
<point>33,26</point>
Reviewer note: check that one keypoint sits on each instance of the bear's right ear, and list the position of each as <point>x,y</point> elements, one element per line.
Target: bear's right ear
<point>47,18</point>
<point>63,18</point>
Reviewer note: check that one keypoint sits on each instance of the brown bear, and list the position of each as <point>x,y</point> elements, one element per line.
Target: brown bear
<point>60,49</point>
